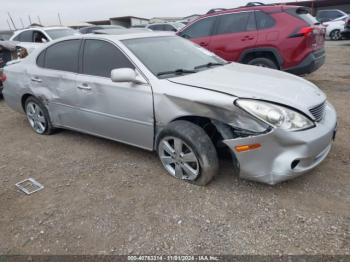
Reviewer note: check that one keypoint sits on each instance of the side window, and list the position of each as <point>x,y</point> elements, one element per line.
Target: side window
<point>264,21</point>
<point>26,36</point>
<point>101,57</point>
<point>39,37</point>
<point>17,38</point>
<point>233,23</point>
<point>63,56</point>
<point>201,28</point>
<point>40,61</point>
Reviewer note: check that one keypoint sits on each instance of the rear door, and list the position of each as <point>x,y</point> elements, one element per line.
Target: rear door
<point>234,33</point>
<point>54,79</point>
<point>200,32</point>
<point>120,111</point>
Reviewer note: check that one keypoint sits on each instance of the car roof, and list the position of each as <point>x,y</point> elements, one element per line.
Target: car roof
<point>122,34</point>
<point>267,8</point>
<point>42,28</point>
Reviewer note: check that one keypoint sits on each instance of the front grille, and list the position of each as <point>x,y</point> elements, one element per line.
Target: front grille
<point>318,111</point>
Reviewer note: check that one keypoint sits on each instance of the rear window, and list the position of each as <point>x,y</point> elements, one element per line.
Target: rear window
<point>303,14</point>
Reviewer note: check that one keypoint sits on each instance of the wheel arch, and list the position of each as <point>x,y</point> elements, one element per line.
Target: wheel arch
<point>24,99</point>
<point>216,130</point>
<point>268,52</point>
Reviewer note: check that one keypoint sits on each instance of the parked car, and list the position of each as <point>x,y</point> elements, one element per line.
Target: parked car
<point>334,29</point>
<point>276,125</point>
<point>91,29</point>
<point>331,15</point>
<point>32,38</point>
<point>8,52</point>
<point>275,36</point>
<point>346,32</point>
<point>172,27</point>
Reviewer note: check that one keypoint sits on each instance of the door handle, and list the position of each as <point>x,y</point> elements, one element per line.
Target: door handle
<point>84,87</point>
<point>36,79</point>
<point>203,44</point>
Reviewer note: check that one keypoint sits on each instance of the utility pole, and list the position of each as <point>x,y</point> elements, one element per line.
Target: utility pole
<point>59,19</point>
<point>8,23</point>
<point>30,20</point>
<point>14,26</point>
<point>21,22</point>
<point>39,20</point>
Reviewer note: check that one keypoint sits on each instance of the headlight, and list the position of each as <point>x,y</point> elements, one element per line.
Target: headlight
<point>275,115</point>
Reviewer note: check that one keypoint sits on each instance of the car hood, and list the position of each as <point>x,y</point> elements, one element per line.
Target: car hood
<point>253,82</point>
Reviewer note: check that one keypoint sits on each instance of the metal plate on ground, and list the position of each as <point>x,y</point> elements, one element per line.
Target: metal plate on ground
<point>29,186</point>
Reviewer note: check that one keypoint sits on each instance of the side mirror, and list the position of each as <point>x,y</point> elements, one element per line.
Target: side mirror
<point>43,40</point>
<point>126,75</point>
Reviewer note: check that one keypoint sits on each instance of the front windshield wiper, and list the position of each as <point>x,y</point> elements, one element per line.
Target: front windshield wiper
<point>177,72</point>
<point>209,65</point>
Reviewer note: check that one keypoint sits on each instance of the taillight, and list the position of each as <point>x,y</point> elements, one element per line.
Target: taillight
<point>306,31</point>
<point>302,32</point>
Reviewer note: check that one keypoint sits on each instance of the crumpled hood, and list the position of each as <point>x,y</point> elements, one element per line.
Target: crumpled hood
<point>245,81</point>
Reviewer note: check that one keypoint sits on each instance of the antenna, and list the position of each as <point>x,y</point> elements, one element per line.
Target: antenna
<point>8,23</point>
<point>21,22</point>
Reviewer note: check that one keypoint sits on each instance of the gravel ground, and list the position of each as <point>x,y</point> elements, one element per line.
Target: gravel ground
<point>103,197</point>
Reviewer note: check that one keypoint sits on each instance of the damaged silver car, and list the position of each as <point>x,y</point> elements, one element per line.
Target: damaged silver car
<point>160,92</point>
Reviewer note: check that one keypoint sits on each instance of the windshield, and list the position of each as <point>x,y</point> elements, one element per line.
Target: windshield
<point>58,33</point>
<point>172,54</point>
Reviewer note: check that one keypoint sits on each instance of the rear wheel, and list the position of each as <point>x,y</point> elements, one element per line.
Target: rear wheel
<point>38,116</point>
<point>263,62</point>
<point>187,153</point>
<point>335,35</point>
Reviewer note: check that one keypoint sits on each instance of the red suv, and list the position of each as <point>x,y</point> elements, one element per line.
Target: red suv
<point>275,36</point>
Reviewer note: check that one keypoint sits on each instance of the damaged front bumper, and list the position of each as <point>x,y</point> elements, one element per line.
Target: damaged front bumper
<point>285,155</point>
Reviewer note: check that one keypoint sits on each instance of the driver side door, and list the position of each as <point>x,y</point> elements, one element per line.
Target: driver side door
<point>120,111</point>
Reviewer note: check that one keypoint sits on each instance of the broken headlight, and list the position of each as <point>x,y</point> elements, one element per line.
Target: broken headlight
<point>275,115</point>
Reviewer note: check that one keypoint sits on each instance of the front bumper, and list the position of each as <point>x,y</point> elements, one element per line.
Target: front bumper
<point>285,155</point>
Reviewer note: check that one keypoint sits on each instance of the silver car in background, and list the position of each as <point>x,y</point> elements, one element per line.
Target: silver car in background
<point>160,92</point>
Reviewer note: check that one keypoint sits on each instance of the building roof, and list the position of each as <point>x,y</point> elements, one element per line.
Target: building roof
<point>128,17</point>
<point>320,3</point>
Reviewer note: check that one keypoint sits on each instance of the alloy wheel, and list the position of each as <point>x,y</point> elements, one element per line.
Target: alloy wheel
<point>36,117</point>
<point>336,35</point>
<point>178,158</point>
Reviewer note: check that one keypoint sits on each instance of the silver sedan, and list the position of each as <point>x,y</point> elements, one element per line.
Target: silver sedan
<point>160,92</point>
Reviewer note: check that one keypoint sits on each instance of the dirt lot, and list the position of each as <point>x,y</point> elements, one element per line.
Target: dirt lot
<point>103,197</point>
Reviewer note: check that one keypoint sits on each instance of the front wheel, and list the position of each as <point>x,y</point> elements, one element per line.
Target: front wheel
<point>187,153</point>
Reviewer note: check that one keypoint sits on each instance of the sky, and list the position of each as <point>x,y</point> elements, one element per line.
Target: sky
<point>72,11</point>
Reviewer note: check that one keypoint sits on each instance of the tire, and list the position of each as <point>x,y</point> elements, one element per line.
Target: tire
<point>263,62</point>
<point>335,35</point>
<point>38,116</point>
<point>196,153</point>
